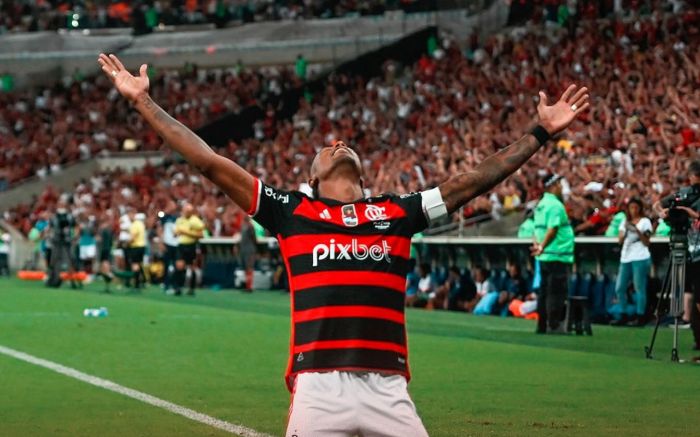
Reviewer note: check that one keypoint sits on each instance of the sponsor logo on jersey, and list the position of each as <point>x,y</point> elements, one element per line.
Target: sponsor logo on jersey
<point>375,213</point>
<point>269,192</point>
<point>382,226</point>
<point>354,250</point>
<point>349,215</point>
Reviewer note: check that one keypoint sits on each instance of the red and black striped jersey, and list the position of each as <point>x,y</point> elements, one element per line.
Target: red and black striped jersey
<point>347,266</point>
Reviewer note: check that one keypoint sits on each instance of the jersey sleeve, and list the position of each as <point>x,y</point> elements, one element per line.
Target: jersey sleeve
<point>271,206</point>
<point>422,209</point>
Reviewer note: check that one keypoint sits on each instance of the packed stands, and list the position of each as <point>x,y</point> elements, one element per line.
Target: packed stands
<point>44,130</point>
<point>450,110</point>
<point>144,16</point>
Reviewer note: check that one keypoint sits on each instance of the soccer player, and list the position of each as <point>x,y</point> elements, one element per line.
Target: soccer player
<point>347,259</point>
<point>189,229</point>
<point>106,240</point>
<point>167,233</point>
<point>248,251</point>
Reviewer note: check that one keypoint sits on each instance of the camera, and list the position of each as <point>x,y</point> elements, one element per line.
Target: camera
<point>687,197</point>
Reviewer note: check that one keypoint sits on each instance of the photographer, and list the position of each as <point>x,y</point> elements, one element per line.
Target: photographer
<point>63,232</point>
<point>682,209</point>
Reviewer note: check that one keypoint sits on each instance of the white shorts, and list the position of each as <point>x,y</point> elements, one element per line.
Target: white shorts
<point>88,252</point>
<point>347,404</point>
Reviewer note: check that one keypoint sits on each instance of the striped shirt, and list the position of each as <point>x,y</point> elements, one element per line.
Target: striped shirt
<point>347,266</point>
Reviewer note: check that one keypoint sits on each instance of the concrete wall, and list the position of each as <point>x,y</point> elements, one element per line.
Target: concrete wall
<point>41,57</point>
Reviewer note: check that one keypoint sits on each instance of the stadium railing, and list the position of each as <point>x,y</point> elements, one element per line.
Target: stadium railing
<point>593,254</point>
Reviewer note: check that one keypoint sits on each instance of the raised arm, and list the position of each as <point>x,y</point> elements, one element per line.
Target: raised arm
<point>229,176</point>
<point>463,187</point>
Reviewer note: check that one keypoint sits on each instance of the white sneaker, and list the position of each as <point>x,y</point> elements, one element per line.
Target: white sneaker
<point>683,325</point>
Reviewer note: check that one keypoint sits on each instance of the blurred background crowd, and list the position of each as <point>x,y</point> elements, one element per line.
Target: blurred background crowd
<point>440,116</point>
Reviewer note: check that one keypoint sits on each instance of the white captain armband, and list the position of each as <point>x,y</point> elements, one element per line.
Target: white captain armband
<point>433,205</point>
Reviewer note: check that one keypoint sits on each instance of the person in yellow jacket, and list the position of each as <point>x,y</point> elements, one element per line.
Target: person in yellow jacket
<point>137,246</point>
<point>189,228</point>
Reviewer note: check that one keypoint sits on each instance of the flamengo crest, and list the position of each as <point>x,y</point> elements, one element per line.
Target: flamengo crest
<point>375,213</point>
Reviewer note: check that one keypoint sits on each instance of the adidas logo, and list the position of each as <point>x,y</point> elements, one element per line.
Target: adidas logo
<point>326,215</point>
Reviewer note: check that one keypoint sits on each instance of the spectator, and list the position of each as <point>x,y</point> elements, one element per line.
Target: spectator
<point>248,251</point>
<point>454,294</point>
<point>425,287</point>
<point>484,287</point>
<point>300,67</point>
<point>635,263</point>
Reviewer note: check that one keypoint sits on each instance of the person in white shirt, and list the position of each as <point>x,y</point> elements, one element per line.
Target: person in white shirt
<point>5,241</point>
<point>635,263</point>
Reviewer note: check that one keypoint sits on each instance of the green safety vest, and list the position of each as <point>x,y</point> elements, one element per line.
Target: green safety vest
<point>527,228</point>
<point>551,213</point>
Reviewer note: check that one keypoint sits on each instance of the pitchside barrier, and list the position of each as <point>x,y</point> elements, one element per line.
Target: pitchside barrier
<point>595,255</point>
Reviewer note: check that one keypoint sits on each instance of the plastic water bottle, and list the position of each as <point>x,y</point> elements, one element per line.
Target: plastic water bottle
<point>95,312</point>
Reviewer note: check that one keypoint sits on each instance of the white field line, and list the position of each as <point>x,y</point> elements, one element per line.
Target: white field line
<point>134,394</point>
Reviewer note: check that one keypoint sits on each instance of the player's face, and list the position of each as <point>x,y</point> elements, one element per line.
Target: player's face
<point>330,158</point>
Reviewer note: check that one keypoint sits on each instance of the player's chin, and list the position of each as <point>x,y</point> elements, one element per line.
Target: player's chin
<point>343,160</point>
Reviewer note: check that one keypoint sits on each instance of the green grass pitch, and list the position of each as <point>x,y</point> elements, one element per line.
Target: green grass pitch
<point>224,354</point>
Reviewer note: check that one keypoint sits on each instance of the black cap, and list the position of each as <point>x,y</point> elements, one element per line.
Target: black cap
<point>550,179</point>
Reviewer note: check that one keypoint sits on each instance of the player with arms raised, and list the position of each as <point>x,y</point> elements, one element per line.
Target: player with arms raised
<point>347,259</point>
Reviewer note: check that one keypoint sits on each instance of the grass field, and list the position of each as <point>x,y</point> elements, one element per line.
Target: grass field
<point>224,354</point>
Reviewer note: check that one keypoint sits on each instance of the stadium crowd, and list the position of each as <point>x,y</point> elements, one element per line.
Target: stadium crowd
<point>145,15</point>
<point>450,111</point>
<point>438,117</point>
<point>44,130</point>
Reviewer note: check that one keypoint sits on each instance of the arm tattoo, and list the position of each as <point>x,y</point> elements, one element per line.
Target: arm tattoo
<point>227,175</point>
<point>460,189</point>
<point>178,136</point>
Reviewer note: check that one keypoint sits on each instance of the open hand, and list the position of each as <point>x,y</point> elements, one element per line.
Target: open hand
<point>559,116</point>
<point>128,85</point>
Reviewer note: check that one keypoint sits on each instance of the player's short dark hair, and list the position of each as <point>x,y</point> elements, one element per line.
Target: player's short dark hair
<point>694,167</point>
